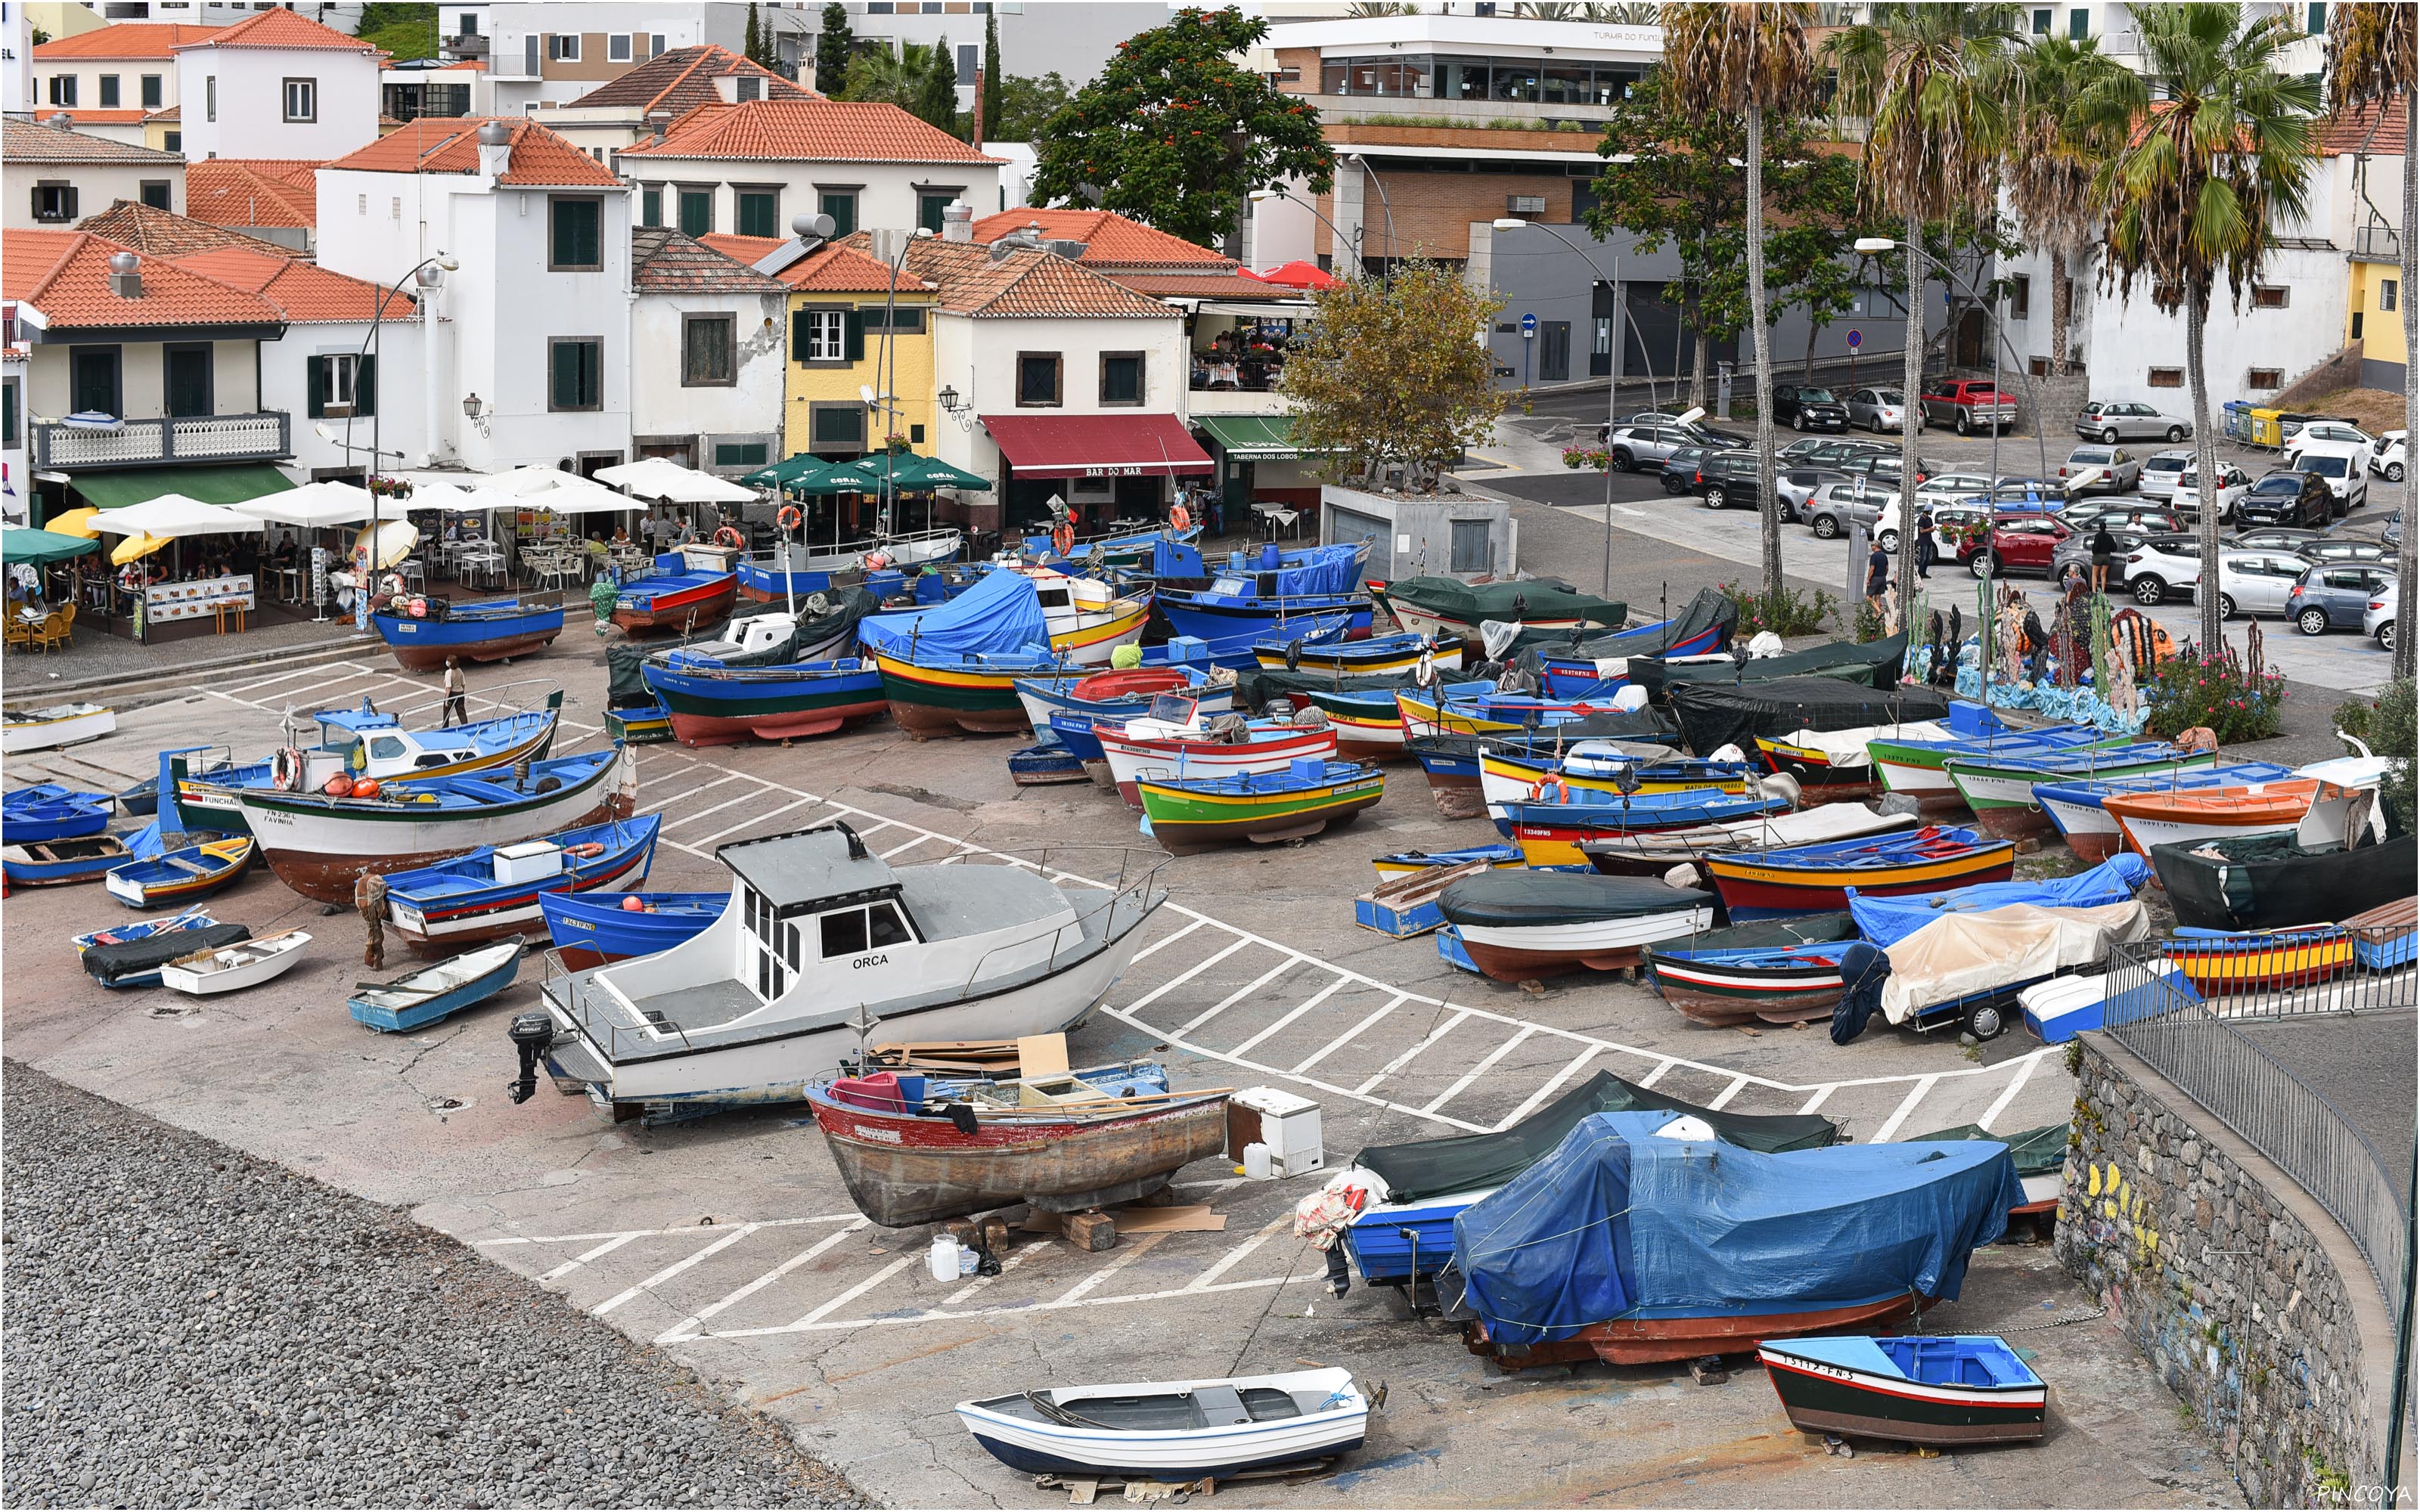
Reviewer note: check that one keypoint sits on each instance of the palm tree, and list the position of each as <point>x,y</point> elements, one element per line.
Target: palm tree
<point>2371,49</point>
<point>2217,155</point>
<point>1747,59</point>
<point>878,74</point>
<point>2051,160</point>
<point>1933,83</point>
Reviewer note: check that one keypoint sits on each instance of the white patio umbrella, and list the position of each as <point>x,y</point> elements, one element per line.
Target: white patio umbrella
<point>457,498</point>
<point>581,497</point>
<point>528,483</point>
<point>662,478</point>
<point>329,502</point>
<point>173,514</point>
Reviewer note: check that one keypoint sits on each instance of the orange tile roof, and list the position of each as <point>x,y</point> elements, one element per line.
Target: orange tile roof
<point>31,142</point>
<point>822,131</point>
<point>127,40</point>
<point>451,145</point>
<point>159,233</point>
<point>837,268</point>
<point>279,191</point>
<point>97,117</point>
<point>279,27</point>
<point>68,282</point>
<point>1110,239</point>
<point>2375,129</point>
<point>682,79</point>
<point>1024,283</point>
<point>302,292</point>
<point>663,261</point>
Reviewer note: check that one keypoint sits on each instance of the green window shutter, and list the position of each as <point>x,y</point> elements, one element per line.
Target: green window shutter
<point>855,351</point>
<point>565,375</point>
<point>315,388</point>
<point>365,388</point>
<point>799,337</point>
<point>696,213</point>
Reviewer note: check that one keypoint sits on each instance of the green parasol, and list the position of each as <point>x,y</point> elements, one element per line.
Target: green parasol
<point>40,548</point>
<point>837,477</point>
<point>932,472</point>
<point>787,470</point>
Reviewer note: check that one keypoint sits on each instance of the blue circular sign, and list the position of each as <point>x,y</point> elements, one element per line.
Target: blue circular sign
<point>1856,339</point>
<point>1528,325</point>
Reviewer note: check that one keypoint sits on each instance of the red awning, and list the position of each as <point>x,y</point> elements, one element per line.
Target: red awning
<point>1097,446</point>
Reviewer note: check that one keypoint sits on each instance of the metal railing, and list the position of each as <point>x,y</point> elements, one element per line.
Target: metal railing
<point>2189,1040</point>
<point>133,443</point>
<point>2378,243</point>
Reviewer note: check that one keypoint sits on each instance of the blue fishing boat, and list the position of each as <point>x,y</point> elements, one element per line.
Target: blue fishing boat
<point>496,629</point>
<point>49,811</point>
<point>49,863</point>
<point>1401,863</point>
<point>183,875</point>
<point>674,598</point>
<point>590,929</point>
<point>419,998</point>
<point>1967,1388</point>
<point>2073,804</point>
<point>1183,670</point>
<point>1100,552</point>
<point>1046,765</point>
<point>1263,594</point>
<point>494,890</point>
<point>1816,879</point>
<point>1551,833</point>
<point>1782,970</point>
<point>1399,653</point>
<point>714,704</point>
<point>130,955</point>
<point>1597,669</point>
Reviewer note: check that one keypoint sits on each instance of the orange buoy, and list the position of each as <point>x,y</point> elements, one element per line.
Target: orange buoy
<point>633,903</point>
<point>365,788</point>
<point>339,786</point>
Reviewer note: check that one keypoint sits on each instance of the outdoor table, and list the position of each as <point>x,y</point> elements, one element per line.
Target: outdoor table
<point>1278,517</point>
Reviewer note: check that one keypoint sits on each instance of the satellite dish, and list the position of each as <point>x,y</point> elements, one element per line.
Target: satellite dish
<point>865,392</point>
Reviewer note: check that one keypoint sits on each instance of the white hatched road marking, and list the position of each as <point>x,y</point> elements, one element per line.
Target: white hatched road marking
<point>1453,1020</point>
<point>686,1327</point>
<point>1536,1099</point>
<point>2008,1094</point>
<point>1284,965</point>
<point>1473,1074</point>
<point>1342,1039</point>
<point>854,1293</point>
<point>734,1237</point>
<point>1729,1092</point>
<point>1304,1007</point>
<point>577,1260</point>
<point>1915,1095</point>
<point>1815,1101</point>
<point>1182,978</point>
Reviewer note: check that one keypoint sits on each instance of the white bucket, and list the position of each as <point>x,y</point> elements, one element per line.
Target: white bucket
<point>942,1259</point>
<point>1259,1166</point>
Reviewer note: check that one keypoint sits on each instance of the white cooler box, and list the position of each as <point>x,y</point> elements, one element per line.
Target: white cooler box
<point>1287,1124</point>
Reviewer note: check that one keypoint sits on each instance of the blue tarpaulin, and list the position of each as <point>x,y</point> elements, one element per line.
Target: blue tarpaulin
<point>1619,1222</point>
<point>1001,616</point>
<point>1888,920</point>
<point>1304,572</point>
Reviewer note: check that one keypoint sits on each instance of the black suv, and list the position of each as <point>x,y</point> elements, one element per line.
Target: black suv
<point>1809,408</point>
<point>1726,480</point>
<point>2287,499</point>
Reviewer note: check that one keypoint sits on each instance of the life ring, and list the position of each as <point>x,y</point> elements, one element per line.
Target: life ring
<point>1553,783</point>
<point>789,518</point>
<point>725,535</point>
<point>585,849</point>
<point>1179,518</point>
<point>1063,538</point>
<point>286,769</point>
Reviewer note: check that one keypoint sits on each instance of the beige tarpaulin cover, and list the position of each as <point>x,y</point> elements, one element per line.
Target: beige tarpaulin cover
<point>1962,953</point>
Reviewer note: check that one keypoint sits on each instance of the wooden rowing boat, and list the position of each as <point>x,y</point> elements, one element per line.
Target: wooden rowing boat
<point>1187,814</point>
<point>232,968</point>
<point>1918,1389</point>
<point>183,875</point>
<point>1813,879</point>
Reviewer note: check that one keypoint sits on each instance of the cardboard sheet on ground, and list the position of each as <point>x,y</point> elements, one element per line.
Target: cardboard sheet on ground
<point>1974,953</point>
<point>1141,1220</point>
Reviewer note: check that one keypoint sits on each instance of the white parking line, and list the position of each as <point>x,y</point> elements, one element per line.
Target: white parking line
<point>1308,1004</point>
<point>1658,1074</point>
<point>850,1295</point>
<point>909,846</point>
<point>686,1327</point>
<point>1409,1056</point>
<point>1160,945</point>
<point>1915,1095</point>
<point>1182,978</point>
<point>753,819</point>
<point>499,1241</point>
<point>1239,994</point>
<point>1269,1232</point>
<point>1340,1041</point>
<point>1486,1064</point>
<point>707,787</point>
<point>1729,1092</point>
<point>2022,1074</point>
<point>672,1270</point>
<point>1817,1101</point>
<point>577,1260</point>
<point>1131,1253</point>
<point>692,818</point>
<point>1536,1099</point>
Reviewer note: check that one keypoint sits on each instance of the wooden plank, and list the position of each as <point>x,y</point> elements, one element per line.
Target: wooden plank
<point>1042,1055</point>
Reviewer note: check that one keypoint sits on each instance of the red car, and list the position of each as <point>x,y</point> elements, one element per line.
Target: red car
<point>2017,543</point>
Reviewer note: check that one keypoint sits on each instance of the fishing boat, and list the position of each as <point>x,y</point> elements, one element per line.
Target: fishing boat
<point>1196,749</point>
<point>1815,879</point>
<point>496,890</point>
<point>1173,1430</point>
<point>1123,695</point>
<point>1656,852</point>
<point>2224,960</point>
<point>1476,708</point>
<point>1118,549</point>
<point>1999,790</point>
<point>46,812</point>
<point>55,727</point>
<point>356,744</point>
<point>1885,920</point>
<point>49,863</point>
<point>1834,766</point>
<point>2268,882</point>
<point>2183,816</point>
<point>231,969</point>
<point>786,572</point>
<point>183,875</point>
<point>321,845</point>
<point>1779,971</point>
<point>1973,967</point>
<point>1087,619</point>
<point>590,930</point>
<point>1604,769</point>
<point>1809,1242</point>
<point>711,704</point>
<point>1550,834</point>
<point>2386,936</point>
<point>131,955</point>
<point>1516,925</point>
<point>2039,1153</point>
<point>642,722</point>
<point>1917,767</point>
<point>1270,593</point>
<point>1308,795</point>
<point>1062,1144</point>
<point>1571,666</point>
<point>820,934</point>
<point>438,991</point>
<point>1368,726</point>
<point>2074,805</point>
<point>1711,715</point>
<point>675,597</point>
<point>1047,764</point>
<point>956,665</point>
<point>1403,863</point>
<point>1359,658</point>
<point>1447,608</point>
<point>496,629</point>
<point>1451,763</point>
<point>1927,1389</point>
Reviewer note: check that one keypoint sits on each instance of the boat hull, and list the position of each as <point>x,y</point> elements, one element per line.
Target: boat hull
<point>1653,1340</point>
<point>1129,760</point>
<point>1752,889</point>
<point>1607,945</point>
<point>424,645</point>
<point>680,608</point>
<point>437,931</point>
<point>45,730</point>
<point>946,701</point>
<point>1726,992</point>
<point>591,933</point>
<point>1823,1398</point>
<point>2003,801</point>
<point>726,711</point>
<point>58,863</point>
<point>391,1019</point>
<point>265,965</point>
<point>167,892</point>
<point>201,804</point>
<point>2242,963</point>
<point>1186,822</point>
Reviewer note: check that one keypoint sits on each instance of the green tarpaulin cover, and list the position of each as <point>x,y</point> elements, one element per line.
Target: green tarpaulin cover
<point>2036,1152</point>
<point>1524,598</point>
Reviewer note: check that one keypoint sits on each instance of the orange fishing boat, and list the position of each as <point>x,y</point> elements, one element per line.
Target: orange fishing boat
<point>2218,961</point>
<point>2149,819</point>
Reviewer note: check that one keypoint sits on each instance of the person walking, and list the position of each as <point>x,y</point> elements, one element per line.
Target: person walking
<point>457,711</point>
<point>369,896</point>
<point>1877,576</point>
<point>2104,556</point>
<point>1928,549</point>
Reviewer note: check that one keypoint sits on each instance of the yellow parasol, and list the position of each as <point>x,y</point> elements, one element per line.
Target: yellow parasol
<point>135,547</point>
<point>395,539</point>
<point>75,522</point>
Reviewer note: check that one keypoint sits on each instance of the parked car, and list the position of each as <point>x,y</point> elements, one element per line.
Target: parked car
<point>1798,484</point>
<point>1726,480</point>
<point>2339,467</point>
<point>2029,495</point>
<point>2378,621</point>
<point>2105,469</point>
<point>2334,596</point>
<point>2387,455</point>
<point>1829,449</point>
<point>2111,422</point>
<point>2287,499</point>
<point>2274,538</point>
<point>2161,471</point>
<point>1954,488</point>
<point>2323,432</point>
<point>1879,410</point>
<point>1836,507</point>
<point>1885,465</point>
<point>1970,404</point>
<point>2139,517</point>
<point>1679,469</point>
<point>2336,548</point>
<point>2392,535</point>
<point>2016,543</point>
<point>1809,408</point>
<point>1631,445</point>
<point>2075,553</point>
<point>2233,484</point>
<point>2161,566</point>
<point>2256,582</point>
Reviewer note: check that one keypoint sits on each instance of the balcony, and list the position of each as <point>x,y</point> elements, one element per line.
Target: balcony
<point>2376,243</point>
<point>143,444</point>
<point>466,45</point>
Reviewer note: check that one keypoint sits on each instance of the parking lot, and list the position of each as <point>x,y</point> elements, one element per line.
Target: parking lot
<point>730,1241</point>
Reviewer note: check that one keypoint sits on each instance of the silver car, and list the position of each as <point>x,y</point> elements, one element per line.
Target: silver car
<point>2161,471</point>
<point>1879,410</point>
<point>1636,446</point>
<point>1836,507</point>
<point>2110,422</point>
<point>2256,582</point>
<point>2111,469</point>
<point>1798,484</point>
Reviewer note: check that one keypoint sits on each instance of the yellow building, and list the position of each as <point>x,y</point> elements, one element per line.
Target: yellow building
<point>2374,312</point>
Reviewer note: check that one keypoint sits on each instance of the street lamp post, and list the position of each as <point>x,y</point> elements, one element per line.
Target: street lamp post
<point>429,275</point>
<point>1360,260</point>
<point>1361,161</point>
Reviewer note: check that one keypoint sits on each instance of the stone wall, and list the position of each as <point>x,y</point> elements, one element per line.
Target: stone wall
<point>2250,1302</point>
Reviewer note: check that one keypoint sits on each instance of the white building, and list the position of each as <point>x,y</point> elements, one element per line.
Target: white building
<point>649,98</point>
<point>531,362</point>
<point>1036,37</point>
<point>16,58</point>
<point>707,388</point>
<point>277,85</point>
<point>751,168</point>
<point>112,75</point>
<point>552,52</point>
<point>53,176</point>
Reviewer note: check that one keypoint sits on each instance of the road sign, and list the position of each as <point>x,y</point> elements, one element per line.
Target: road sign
<point>1528,328</point>
<point>1856,339</point>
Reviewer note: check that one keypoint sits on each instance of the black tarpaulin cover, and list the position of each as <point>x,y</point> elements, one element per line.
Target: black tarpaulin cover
<point>1523,598</point>
<point>2271,882</point>
<point>1515,898</point>
<point>2036,1152</point>
<point>1713,715</point>
<point>111,962</point>
<point>1464,1163</point>
<point>1651,725</point>
<point>1875,663</point>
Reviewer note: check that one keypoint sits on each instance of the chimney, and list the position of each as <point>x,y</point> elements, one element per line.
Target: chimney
<point>126,275</point>
<point>495,150</point>
<point>64,121</point>
<point>656,122</point>
<point>958,217</point>
<point>1071,250</point>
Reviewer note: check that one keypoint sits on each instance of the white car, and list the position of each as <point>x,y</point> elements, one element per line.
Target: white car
<point>2339,464</point>
<point>2233,484</point>
<point>2161,471</point>
<point>2162,568</point>
<point>2256,582</point>
<point>1953,488</point>
<point>2378,621</point>
<point>2387,457</point>
<point>2325,431</point>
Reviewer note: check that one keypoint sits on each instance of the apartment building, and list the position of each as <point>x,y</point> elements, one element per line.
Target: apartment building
<point>708,390</point>
<point>117,81</point>
<point>1036,37</point>
<point>645,103</point>
<point>53,175</point>
<point>552,52</point>
<point>277,85</point>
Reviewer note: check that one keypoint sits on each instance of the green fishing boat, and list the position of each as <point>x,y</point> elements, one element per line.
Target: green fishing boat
<point>1187,814</point>
<point>2000,788</point>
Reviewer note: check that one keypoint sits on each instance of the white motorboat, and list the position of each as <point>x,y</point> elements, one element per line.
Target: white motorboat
<point>1178,1430</point>
<point>823,938</point>
<point>235,967</point>
<point>1087,619</point>
<point>63,724</point>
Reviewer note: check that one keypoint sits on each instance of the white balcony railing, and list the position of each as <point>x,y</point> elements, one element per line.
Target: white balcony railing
<point>138,443</point>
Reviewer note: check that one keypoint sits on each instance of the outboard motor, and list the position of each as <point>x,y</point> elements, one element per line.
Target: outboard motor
<point>530,1034</point>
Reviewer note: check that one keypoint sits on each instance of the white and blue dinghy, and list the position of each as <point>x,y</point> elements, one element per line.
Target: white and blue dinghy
<point>1175,1431</point>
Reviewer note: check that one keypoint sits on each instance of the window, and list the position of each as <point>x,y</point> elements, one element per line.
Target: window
<point>173,141</point>
<point>2166,378</point>
<point>529,56</point>
<point>1037,380</point>
<point>1469,552</point>
<point>2316,19</point>
<point>467,23</point>
<point>2042,21</point>
<point>564,47</point>
<point>336,384</point>
<point>970,59</point>
<point>696,211</point>
<point>618,47</point>
<point>929,206</point>
<point>651,205</point>
<point>63,89</point>
<point>575,373</point>
<point>2020,298</point>
<point>155,193</point>
<point>655,44</point>
<point>2038,367</point>
<point>1122,378</point>
<point>575,240</point>
<point>2386,292</point>
<point>2268,295</point>
<point>841,204</point>
<point>151,91</point>
<point>210,98</point>
<point>55,203</point>
<point>835,429</point>
<point>92,379</point>
<point>904,319</point>
<point>109,91</point>
<point>2265,378</point>
<point>9,415</point>
<point>748,86</point>
<point>2356,325</point>
<point>739,454</point>
<point>2079,23</point>
<point>760,212</point>
<point>843,932</point>
<point>301,99</point>
<point>819,336</point>
<point>707,358</point>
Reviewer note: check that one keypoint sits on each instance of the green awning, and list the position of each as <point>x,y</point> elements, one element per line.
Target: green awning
<point>1253,438</point>
<point>229,485</point>
<point>40,548</point>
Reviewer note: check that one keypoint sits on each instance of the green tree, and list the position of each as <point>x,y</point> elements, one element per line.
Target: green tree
<point>876,74</point>
<point>833,45</point>
<point>407,31</point>
<point>937,90</point>
<point>1749,60</point>
<point>1174,133</point>
<point>2373,51</point>
<point>994,82</point>
<point>752,46</point>
<point>1026,105</point>
<point>2052,158</point>
<point>1395,375</point>
<point>2218,155</point>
